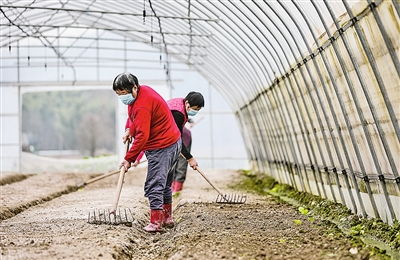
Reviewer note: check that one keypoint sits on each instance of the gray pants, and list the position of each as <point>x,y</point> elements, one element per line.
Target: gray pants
<point>161,163</point>
<point>181,167</point>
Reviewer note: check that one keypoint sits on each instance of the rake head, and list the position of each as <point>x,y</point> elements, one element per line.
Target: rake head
<point>231,199</point>
<point>107,217</point>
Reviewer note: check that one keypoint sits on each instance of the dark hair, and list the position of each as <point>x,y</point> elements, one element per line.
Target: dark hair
<point>125,81</point>
<point>195,99</point>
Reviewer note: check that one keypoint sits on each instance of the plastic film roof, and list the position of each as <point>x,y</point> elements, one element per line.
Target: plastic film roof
<point>241,47</point>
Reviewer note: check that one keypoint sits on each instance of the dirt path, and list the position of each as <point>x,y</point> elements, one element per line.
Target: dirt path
<point>263,228</point>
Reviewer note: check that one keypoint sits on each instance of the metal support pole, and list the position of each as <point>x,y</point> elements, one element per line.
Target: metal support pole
<point>382,88</point>
<point>374,66</point>
<point>211,125</point>
<point>345,114</point>
<point>360,112</point>
<point>58,60</point>
<point>125,55</point>
<point>19,112</point>
<point>97,56</point>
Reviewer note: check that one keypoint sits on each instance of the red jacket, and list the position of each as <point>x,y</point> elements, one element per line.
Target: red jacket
<point>151,123</point>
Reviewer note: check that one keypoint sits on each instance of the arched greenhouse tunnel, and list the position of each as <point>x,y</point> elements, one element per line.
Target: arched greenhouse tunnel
<point>300,122</point>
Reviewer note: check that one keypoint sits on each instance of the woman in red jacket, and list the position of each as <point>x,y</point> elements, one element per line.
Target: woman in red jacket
<point>154,130</point>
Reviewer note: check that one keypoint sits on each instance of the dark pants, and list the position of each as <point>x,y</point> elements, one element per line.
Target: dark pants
<point>181,167</point>
<point>161,163</point>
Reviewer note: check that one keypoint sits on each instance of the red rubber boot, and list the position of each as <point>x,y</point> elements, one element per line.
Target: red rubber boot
<point>168,220</point>
<point>156,220</point>
<point>177,186</point>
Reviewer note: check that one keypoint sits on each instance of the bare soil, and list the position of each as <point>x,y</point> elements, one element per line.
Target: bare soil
<point>33,190</point>
<point>10,177</point>
<point>263,228</point>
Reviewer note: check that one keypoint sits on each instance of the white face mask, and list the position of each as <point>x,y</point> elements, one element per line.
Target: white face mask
<point>127,99</point>
<point>192,112</point>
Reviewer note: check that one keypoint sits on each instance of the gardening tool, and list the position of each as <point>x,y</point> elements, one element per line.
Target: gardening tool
<point>224,198</point>
<point>114,216</point>
<point>95,179</point>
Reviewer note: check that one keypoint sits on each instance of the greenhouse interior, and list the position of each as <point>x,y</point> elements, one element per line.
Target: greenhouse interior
<point>200,129</point>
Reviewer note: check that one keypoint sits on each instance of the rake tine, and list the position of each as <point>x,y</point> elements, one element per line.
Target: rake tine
<point>131,214</point>
<point>224,198</point>
<point>109,217</point>
<point>126,216</point>
<point>94,216</point>
<point>125,219</point>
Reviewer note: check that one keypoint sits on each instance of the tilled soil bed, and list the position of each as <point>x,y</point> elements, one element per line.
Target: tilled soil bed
<point>263,228</point>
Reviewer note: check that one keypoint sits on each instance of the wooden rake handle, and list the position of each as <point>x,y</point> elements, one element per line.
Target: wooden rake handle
<point>120,183</point>
<point>90,181</point>
<point>212,185</point>
<point>209,182</point>
<point>97,178</point>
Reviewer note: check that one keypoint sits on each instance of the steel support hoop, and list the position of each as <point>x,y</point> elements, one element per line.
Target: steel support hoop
<point>269,52</point>
<point>344,112</point>
<point>331,107</point>
<point>304,78</point>
<point>360,114</point>
<point>382,88</point>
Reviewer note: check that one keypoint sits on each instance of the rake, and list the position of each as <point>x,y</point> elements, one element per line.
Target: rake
<point>114,216</point>
<point>224,198</point>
